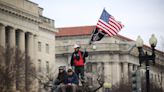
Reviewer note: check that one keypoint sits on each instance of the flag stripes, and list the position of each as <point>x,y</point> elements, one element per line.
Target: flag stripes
<point>105,25</point>
<point>118,24</point>
<point>105,30</point>
<point>109,25</point>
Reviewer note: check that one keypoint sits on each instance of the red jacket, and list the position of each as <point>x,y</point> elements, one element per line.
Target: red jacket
<point>78,58</point>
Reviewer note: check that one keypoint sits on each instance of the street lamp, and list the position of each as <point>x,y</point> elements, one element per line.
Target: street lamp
<point>145,58</point>
<point>94,47</point>
<point>107,86</point>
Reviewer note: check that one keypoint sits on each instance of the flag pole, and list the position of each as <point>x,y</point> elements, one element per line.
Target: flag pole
<point>90,42</point>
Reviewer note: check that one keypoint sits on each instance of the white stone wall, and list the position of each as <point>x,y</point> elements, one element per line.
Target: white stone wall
<point>46,38</point>
<point>22,20</point>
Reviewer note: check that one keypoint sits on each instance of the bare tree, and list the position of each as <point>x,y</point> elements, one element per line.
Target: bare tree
<point>12,70</point>
<point>45,80</point>
<point>7,69</point>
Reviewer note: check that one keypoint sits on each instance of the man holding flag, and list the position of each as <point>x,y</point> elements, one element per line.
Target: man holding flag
<point>78,61</point>
<point>105,25</point>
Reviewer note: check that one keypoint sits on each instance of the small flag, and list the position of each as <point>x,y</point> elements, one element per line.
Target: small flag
<point>106,25</point>
<point>97,35</point>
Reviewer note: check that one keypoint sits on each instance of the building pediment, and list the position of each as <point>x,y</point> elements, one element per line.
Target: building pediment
<point>23,5</point>
<point>10,8</point>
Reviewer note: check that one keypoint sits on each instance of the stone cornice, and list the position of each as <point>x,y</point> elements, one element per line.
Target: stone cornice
<point>49,28</point>
<point>19,13</point>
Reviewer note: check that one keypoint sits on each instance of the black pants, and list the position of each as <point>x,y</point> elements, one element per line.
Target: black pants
<point>79,70</point>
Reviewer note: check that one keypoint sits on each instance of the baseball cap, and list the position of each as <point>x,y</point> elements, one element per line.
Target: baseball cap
<point>76,46</point>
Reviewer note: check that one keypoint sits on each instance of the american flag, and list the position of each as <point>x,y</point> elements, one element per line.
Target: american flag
<point>108,24</point>
<point>105,25</point>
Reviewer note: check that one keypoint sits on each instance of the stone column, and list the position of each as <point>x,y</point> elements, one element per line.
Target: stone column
<point>35,61</point>
<point>30,47</point>
<point>21,71</point>
<point>94,70</point>
<point>21,41</point>
<point>130,67</point>
<point>12,39</point>
<point>30,66</point>
<point>35,49</point>
<point>2,43</point>
<point>12,44</point>
<point>101,71</point>
<point>107,72</point>
<point>135,67</point>
<point>2,35</point>
<point>125,70</point>
<point>110,72</point>
<point>116,72</point>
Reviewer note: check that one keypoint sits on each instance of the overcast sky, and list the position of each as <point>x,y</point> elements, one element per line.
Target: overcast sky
<point>140,17</point>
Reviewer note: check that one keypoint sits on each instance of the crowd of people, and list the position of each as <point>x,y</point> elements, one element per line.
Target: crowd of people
<point>70,78</point>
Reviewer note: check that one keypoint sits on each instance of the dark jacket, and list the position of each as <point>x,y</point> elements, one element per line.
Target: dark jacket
<point>84,55</point>
<point>61,77</point>
<point>71,79</point>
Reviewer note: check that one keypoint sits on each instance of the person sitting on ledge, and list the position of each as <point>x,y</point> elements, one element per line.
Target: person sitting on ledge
<point>71,81</point>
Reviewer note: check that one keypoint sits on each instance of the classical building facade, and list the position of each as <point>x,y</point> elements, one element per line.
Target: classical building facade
<point>23,26</point>
<point>115,57</point>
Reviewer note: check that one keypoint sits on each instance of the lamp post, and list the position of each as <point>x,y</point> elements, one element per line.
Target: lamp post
<point>94,47</point>
<point>145,58</point>
<point>107,86</point>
